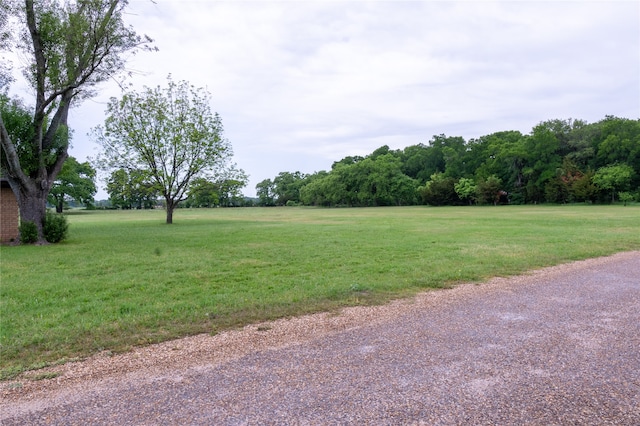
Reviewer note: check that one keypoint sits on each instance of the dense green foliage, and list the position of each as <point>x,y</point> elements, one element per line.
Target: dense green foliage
<point>56,227</point>
<point>560,161</point>
<point>28,232</point>
<point>224,190</point>
<point>131,189</point>
<point>124,279</point>
<point>76,181</point>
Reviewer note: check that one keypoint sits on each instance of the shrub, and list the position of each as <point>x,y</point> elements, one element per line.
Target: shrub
<point>28,232</point>
<point>439,191</point>
<point>488,190</point>
<point>55,227</point>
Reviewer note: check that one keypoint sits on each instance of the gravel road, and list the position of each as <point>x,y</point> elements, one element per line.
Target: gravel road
<point>559,346</point>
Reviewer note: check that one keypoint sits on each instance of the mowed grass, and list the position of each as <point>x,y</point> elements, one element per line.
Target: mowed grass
<point>125,278</point>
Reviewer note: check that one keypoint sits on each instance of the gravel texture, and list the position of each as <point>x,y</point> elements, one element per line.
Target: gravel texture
<point>559,346</point>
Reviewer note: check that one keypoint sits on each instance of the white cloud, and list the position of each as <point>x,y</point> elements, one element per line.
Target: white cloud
<point>300,84</point>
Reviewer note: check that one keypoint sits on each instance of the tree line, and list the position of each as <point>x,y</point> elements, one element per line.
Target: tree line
<point>136,189</point>
<point>559,161</point>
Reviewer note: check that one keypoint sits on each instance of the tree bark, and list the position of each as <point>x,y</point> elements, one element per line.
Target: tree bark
<point>170,207</point>
<point>32,202</point>
<point>60,204</point>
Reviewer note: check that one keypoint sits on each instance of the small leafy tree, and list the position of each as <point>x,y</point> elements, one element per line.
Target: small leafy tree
<point>613,178</point>
<point>466,189</point>
<point>170,133</point>
<point>625,197</point>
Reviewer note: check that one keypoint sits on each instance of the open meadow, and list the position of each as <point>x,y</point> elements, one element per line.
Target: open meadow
<point>124,278</point>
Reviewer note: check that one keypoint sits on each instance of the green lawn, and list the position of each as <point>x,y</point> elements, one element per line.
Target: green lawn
<point>125,278</point>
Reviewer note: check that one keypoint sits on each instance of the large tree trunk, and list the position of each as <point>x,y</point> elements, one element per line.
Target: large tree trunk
<point>32,202</point>
<point>170,207</point>
<point>31,190</point>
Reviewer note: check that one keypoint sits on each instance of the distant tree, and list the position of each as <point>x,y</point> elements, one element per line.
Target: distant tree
<point>439,191</point>
<point>384,184</point>
<point>620,142</point>
<point>266,193</point>
<point>453,152</point>
<point>223,190</point>
<point>314,192</point>
<point>132,189</point>
<point>422,161</point>
<point>68,48</point>
<point>443,154</point>
<point>466,190</point>
<point>203,193</point>
<point>557,191</point>
<point>502,154</point>
<point>582,144</point>
<point>343,187</point>
<point>76,181</point>
<point>553,163</point>
<point>287,187</point>
<point>171,133</point>
<point>544,158</point>
<point>488,190</point>
<point>229,185</point>
<point>384,150</point>
<point>376,180</point>
<point>613,178</point>
<point>417,162</point>
<point>583,188</point>
<point>347,161</point>
<point>625,197</point>
<point>560,189</point>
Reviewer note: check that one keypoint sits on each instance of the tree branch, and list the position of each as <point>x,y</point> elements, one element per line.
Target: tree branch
<point>14,170</point>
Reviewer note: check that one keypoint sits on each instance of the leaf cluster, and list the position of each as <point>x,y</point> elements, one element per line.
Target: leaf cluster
<point>76,181</point>
<point>18,122</point>
<point>132,189</point>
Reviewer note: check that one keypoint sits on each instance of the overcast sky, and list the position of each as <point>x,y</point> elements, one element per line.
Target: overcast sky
<point>301,84</point>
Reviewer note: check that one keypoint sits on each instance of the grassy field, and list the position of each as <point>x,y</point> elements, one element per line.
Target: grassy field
<point>125,278</point>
